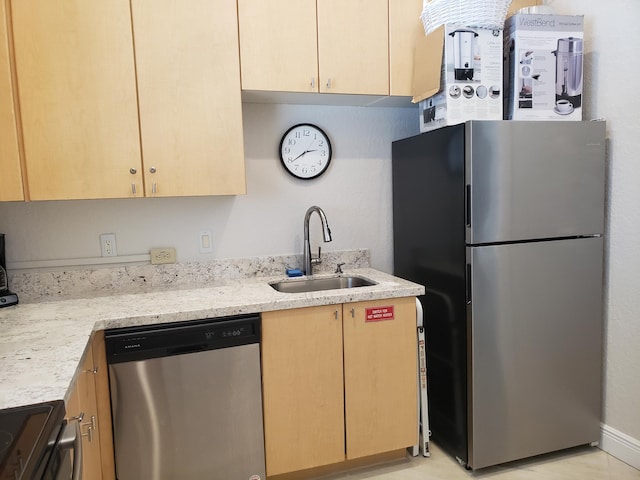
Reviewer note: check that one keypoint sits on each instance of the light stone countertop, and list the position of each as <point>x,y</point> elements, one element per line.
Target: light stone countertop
<point>41,344</point>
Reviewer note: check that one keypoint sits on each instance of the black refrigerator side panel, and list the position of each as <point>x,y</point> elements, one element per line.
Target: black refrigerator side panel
<point>429,248</point>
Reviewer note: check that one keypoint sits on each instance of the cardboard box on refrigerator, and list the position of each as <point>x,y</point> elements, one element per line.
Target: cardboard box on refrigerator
<point>518,4</point>
<point>458,76</point>
<point>543,67</point>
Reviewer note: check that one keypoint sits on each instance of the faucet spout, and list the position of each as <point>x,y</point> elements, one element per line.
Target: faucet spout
<point>326,233</point>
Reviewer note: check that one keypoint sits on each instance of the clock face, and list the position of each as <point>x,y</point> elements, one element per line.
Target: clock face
<point>305,151</point>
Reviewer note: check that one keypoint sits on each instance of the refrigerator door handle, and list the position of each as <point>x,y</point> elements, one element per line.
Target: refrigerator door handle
<point>468,285</point>
<point>467,210</point>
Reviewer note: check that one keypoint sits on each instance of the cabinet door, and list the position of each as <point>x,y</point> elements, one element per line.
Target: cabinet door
<point>405,27</point>
<point>278,45</point>
<point>353,46</point>
<point>75,70</point>
<point>302,388</point>
<point>188,71</point>
<point>380,370</point>
<point>103,405</point>
<point>11,177</point>
<point>83,403</point>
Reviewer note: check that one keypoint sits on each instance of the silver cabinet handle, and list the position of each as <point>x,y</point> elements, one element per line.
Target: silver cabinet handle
<point>353,313</point>
<point>89,434</point>
<point>328,83</point>
<point>153,185</point>
<point>91,428</point>
<point>335,314</point>
<point>133,171</point>
<point>313,83</point>
<point>77,418</point>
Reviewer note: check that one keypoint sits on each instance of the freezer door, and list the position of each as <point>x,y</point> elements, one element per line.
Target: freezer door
<point>532,180</point>
<point>536,348</point>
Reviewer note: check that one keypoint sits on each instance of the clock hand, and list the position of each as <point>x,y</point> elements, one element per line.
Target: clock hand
<point>306,151</point>
<point>299,156</point>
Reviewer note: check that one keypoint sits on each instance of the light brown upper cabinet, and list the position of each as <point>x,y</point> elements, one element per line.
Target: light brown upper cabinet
<point>328,46</point>
<point>11,176</point>
<point>278,45</point>
<point>405,27</point>
<point>102,119</point>
<point>189,92</point>
<point>76,79</point>
<point>353,46</point>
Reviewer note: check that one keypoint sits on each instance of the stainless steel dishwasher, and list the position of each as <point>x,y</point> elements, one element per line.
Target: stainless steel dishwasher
<point>186,400</point>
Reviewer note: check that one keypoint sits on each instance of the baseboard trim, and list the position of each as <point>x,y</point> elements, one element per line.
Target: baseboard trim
<point>620,445</point>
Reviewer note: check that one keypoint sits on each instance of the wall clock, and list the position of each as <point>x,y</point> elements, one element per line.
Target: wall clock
<point>305,151</point>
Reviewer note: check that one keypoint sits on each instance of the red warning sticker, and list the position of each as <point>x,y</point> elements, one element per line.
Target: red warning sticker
<point>376,314</point>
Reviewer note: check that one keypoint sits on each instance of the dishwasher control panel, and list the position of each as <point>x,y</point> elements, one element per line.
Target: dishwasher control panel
<point>178,338</point>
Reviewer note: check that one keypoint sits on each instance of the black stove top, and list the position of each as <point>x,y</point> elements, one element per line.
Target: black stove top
<point>27,435</point>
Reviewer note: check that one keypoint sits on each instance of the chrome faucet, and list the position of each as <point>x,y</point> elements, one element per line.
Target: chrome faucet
<point>308,259</point>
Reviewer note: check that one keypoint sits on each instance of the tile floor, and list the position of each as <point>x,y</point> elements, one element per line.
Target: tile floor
<point>581,463</point>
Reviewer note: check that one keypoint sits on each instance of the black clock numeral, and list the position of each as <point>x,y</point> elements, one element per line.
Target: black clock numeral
<point>287,150</point>
<point>291,141</point>
<point>307,132</point>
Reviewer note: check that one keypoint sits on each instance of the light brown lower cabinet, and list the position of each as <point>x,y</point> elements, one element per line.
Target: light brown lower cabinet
<point>339,383</point>
<point>89,405</point>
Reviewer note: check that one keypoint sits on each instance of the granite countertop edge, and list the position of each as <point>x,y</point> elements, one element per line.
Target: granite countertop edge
<point>43,343</point>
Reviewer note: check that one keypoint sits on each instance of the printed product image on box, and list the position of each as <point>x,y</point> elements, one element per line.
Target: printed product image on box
<point>469,86</point>
<point>543,67</point>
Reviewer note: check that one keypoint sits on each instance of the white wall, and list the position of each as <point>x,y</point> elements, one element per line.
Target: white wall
<point>355,193</point>
<point>612,38</point>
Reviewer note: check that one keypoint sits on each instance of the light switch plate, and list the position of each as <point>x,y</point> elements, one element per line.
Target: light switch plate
<point>205,242</point>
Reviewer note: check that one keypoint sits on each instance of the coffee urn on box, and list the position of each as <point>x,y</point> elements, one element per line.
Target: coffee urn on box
<point>569,70</point>
<point>463,53</point>
<point>7,298</point>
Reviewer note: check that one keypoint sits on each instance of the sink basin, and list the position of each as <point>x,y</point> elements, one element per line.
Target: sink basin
<point>319,284</point>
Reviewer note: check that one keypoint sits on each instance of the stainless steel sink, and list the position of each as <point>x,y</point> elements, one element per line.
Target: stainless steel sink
<point>319,284</point>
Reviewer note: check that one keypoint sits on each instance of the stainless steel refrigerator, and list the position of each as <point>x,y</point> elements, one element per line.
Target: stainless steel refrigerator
<point>502,222</point>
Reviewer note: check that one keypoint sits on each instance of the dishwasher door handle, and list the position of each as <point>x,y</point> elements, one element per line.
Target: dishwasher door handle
<point>186,349</point>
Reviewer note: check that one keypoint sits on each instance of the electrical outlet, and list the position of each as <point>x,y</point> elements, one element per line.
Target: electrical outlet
<point>108,245</point>
<point>163,255</point>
